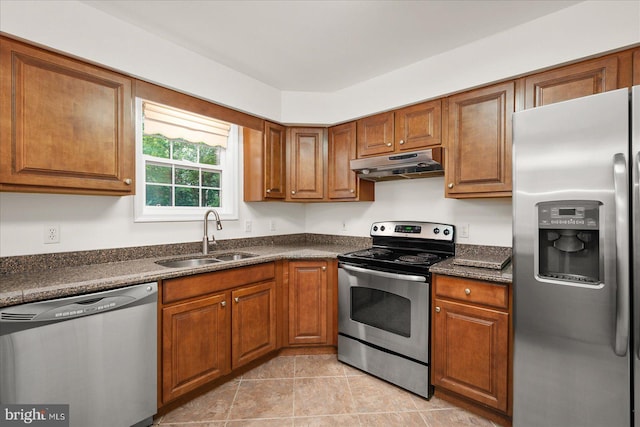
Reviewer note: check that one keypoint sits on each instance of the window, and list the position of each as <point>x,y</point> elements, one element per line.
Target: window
<point>186,164</point>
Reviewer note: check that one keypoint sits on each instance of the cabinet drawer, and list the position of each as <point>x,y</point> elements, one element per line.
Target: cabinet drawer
<point>202,284</point>
<point>473,291</point>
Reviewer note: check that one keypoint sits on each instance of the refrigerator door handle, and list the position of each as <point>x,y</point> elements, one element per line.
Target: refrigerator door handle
<point>621,195</point>
<point>636,233</point>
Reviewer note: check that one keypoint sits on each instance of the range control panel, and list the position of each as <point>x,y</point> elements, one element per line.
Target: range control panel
<point>413,229</point>
<point>569,214</point>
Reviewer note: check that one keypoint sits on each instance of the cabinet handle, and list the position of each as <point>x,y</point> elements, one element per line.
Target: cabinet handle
<point>293,192</point>
<point>268,190</point>
<point>450,185</point>
<point>437,309</point>
<point>401,141</point>
<point>352,190</point>
<point>467,291</point>
<point>223,303</point>
<point>236,299</point>
<point>388,144</point>
<point>128,181</point>
<point>324,268</point>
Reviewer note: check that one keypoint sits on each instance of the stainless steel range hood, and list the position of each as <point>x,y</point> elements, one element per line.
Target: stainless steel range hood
<point>415,164</point>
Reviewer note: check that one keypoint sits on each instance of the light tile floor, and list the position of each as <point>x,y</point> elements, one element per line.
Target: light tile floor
<point>314,391</point>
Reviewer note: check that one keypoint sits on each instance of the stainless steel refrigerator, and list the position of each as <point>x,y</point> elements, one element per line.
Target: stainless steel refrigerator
<point>576,270</point>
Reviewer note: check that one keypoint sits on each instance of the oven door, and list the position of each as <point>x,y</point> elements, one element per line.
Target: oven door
<point>388,310</point>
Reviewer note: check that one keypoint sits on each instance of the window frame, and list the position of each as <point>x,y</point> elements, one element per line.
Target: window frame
<point>228,189</point>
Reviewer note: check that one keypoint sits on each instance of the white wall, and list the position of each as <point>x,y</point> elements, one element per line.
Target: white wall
<point>97,222</point>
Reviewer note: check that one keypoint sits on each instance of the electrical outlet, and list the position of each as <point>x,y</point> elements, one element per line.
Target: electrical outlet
<point>247,226</point>
<point>463,232</point>
<point>344,225</point>
<point>52,234</point>
<point>272,225</point>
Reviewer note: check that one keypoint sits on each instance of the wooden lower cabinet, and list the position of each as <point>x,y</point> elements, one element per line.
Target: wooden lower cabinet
<point>195,344</point>
<point>309,313</point>
<point>253,322</point>
<point>471,340</point>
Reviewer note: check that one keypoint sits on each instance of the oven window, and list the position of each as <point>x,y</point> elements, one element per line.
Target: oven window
<point>382,310</point>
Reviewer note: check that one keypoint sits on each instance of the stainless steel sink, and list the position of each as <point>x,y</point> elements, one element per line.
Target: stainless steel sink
<point>189,262</point>
<point>198,261</point>
<point>234,256</point>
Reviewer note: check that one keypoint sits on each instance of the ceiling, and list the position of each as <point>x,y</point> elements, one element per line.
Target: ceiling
<point>323,46</point>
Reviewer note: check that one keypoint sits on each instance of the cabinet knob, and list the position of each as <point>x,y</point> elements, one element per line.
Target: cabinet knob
<point>450,185</point>
<point>467,291</point>
<point>388,144</point>
<point>437,309</point>
<point>352,190</point>
<point>293,192</point>
<point>128,181</point>
<point>223,303</point>
<point>324,268</point>
<point>402,142</point>
<point>236,299</point>
<point>268,190</point>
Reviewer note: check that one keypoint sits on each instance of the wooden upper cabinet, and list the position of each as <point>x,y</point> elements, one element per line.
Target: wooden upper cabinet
<point>418,126</point>
<point>66,126</point>
<point>573,81</point>
<point>479,142</point>
<point>274,161</point>
<point>306,151</point>
<point>343,183</point>
<point>636,67</point>
<point>375,135</point>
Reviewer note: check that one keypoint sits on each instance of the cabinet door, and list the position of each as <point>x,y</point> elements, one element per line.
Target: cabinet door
<point>274,161</point>
<point>254,322</point>
<point>66,126</point>
<point>479,142</point>
<point>342,149</point>
<point>306,150</point>
<point>470,352</point>
<point>375,135</point>
<point>418,126</point>
<point>308,302</point>
<point>195,344</point>
<point>574,81</point>
<point>636,67</point>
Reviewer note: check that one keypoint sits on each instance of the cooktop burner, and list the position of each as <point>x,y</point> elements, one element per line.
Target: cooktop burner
<point>410,247</point>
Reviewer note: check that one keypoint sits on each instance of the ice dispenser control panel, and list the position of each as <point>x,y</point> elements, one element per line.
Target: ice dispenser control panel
<point>568,215</point>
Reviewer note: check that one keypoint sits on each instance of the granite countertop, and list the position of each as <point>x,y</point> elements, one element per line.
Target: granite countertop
<point>42,284</point>
<point>491,263</point>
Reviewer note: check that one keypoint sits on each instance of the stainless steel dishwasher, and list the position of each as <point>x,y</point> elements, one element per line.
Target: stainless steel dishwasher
<point>95,352</point>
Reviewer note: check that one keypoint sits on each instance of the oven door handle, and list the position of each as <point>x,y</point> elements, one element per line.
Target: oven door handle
<point>385,274</point>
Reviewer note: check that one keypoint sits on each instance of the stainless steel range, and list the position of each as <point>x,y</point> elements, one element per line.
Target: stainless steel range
<point>384,301</point>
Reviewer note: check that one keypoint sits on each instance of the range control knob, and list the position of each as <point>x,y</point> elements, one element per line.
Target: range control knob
<point>382,228</point>
<point>375,228</point>
<point>436,230</point>
<point>446,232</point>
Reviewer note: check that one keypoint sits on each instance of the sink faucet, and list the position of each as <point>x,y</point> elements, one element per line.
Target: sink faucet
<point>205,239</point>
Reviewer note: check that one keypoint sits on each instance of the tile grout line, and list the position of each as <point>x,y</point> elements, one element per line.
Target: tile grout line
<point>235,396</point>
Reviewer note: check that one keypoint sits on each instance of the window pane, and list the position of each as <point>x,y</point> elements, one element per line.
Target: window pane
<point>159,174</point>
<point>209,155</point>
<point>186,176</point>
<point>183,150</point>
<point>155,145</point>
<point>158,195</point>
<point>211,198</point>
<point>211,179</point>
<point>187,196</point>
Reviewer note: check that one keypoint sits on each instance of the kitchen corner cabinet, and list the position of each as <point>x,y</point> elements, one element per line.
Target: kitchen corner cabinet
<point>311,302</point>
<point>471,340</point>
<point>264,163</point>
<point>479,142</point>
<point>65,126</point>
<point>578,80</point>
<point>212,323</point>
<point>343,183</point>
<point>306,157</point>
<point>407,129</point>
